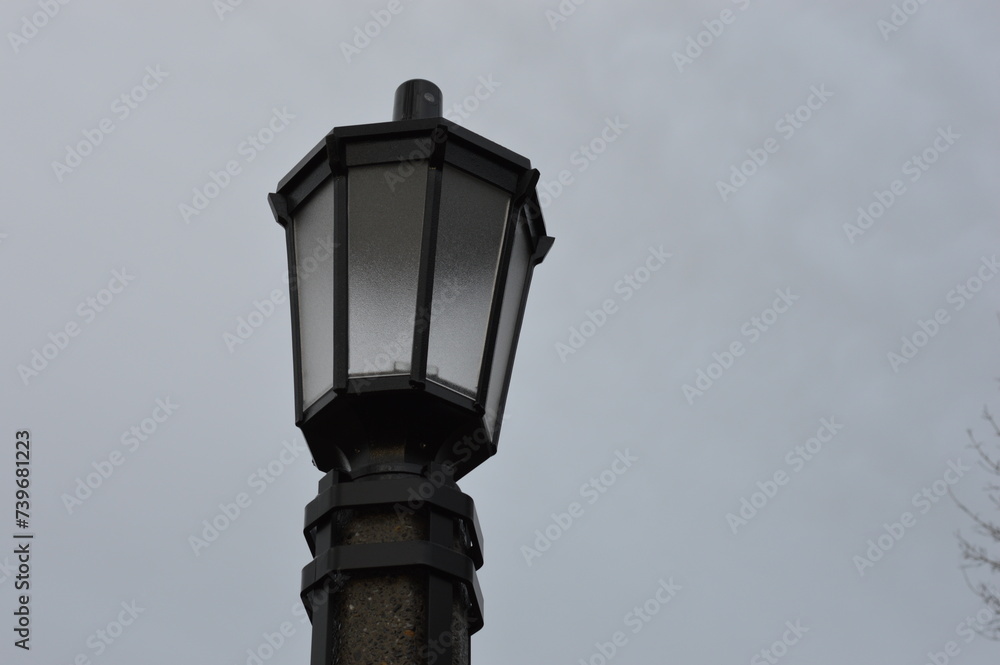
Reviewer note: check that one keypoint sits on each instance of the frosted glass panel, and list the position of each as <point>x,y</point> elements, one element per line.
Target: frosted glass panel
<point>313,227</point>
<point>520,261</point>
<point>469,238</point>
<point>385,231</point>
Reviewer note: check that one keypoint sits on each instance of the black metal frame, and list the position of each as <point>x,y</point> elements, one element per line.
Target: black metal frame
<point>447,510</point>
<point>449,415</point>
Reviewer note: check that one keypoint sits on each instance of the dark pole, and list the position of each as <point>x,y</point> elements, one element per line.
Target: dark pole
<point>393,580</point>
<point>396,544</point>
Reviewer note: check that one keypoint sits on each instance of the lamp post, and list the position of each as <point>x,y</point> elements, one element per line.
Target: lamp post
<point>403,345</point>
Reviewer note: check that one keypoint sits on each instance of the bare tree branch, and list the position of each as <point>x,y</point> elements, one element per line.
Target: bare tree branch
<point>980,556</point>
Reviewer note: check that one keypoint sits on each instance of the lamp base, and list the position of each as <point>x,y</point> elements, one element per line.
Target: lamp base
<point>394,574</point>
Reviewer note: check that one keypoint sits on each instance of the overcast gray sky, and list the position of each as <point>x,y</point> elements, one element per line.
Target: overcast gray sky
<point>703,165</point>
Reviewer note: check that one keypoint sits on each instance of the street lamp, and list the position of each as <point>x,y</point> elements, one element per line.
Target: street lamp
<point>411,246</point>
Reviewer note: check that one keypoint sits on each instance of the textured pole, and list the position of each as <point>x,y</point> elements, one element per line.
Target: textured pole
<point>393,581</point>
